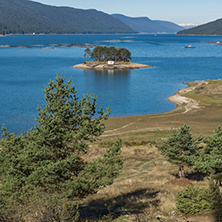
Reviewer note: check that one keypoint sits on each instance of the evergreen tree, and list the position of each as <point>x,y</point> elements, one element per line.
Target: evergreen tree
<point>50,156</point>
<point>192,200</point>
<point>210,160</point>
<point>215,199</point>
<point>195,199</point>
<point>180,148</point>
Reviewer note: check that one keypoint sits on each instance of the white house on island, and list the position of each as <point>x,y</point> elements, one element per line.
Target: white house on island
<point>110,62</point>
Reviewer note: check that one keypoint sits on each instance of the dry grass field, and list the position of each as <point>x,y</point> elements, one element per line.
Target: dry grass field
<point>145,190</point>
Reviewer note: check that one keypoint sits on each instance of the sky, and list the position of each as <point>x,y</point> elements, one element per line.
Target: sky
<point>178,11</point>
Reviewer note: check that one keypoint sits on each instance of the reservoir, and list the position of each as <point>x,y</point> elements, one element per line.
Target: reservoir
<point>29,61</point>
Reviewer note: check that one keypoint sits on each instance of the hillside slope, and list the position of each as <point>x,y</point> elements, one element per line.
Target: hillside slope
<point>24,16</point>
<point>211,28</point>
<point>144,24</point>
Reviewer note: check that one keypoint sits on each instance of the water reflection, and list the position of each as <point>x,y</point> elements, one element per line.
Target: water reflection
<point>111,86</point>
<point>109,72</point>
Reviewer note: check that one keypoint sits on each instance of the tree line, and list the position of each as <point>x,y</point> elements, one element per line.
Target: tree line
<point>23,16</point>
<point>104,53</point>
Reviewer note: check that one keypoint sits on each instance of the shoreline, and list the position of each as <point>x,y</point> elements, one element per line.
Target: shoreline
<point>200,34</point>
<point>103,66</point>
<point>159,122</point>
<point>184,102</point>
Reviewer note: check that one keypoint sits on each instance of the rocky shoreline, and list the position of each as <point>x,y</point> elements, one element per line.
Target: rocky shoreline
<point>104,66</point>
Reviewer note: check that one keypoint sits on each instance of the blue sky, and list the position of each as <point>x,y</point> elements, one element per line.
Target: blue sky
<point>178,11</point>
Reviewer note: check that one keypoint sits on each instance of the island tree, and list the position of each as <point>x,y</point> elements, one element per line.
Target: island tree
<point>181,148</point>
<point>50,158</point>
<point>104,53</point>
<point>124,54</point>
<point>87,53</point>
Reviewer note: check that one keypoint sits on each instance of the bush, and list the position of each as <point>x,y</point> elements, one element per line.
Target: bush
<point>40,207</point>
<point>193,200</point>
<point>215,199</point>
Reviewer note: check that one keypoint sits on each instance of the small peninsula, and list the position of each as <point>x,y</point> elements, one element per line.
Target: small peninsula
<point>108,58</point>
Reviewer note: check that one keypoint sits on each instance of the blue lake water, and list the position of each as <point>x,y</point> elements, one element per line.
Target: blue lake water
<point>23,72</point>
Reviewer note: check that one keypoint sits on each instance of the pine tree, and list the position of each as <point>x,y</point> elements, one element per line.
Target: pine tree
<point>180,148</point>
<point>210,160</point>
<point>215,199</point>
<point>50,156</point>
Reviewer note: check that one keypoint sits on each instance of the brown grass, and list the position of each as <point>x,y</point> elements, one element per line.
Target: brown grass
<point>145,190</point>
<point>144,186</point>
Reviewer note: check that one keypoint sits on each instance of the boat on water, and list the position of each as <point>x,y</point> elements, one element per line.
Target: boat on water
<point>190,47</point>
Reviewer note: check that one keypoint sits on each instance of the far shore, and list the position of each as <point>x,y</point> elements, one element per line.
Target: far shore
<point>118,65</point>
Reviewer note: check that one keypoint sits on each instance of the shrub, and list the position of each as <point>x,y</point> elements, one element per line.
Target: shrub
<point>193,200</point>
<point>215,199</point>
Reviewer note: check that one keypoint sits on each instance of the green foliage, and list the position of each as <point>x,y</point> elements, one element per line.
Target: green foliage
<point>23,16</point>
<point>215,198</point>
<point>193,200</point>
<point>104,53</point>
<point>124,54</point>
<point>210,159</point>
<point>87,53</point>
<point>40,207</point>
<point>49,158</point>
<point>181,147</point>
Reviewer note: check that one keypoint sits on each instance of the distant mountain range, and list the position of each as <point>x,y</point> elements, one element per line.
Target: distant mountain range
<point>24,16</point>
<point>28,17</point>
<point>146,25</point>
<point>211,28</point>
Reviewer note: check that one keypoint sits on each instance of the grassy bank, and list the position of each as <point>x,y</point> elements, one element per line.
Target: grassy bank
<point>146,188</point>
<point>203,119</point>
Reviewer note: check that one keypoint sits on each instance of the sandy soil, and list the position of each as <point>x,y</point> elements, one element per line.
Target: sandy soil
<point>186,102</point>
<point>129,65</point>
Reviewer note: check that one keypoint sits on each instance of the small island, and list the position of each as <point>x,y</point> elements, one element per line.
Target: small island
<point>108,58</point>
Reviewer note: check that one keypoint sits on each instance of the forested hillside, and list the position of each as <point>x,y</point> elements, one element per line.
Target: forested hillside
<point>144,24</point>
<point>24,16</point>
<point>211,28</point>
